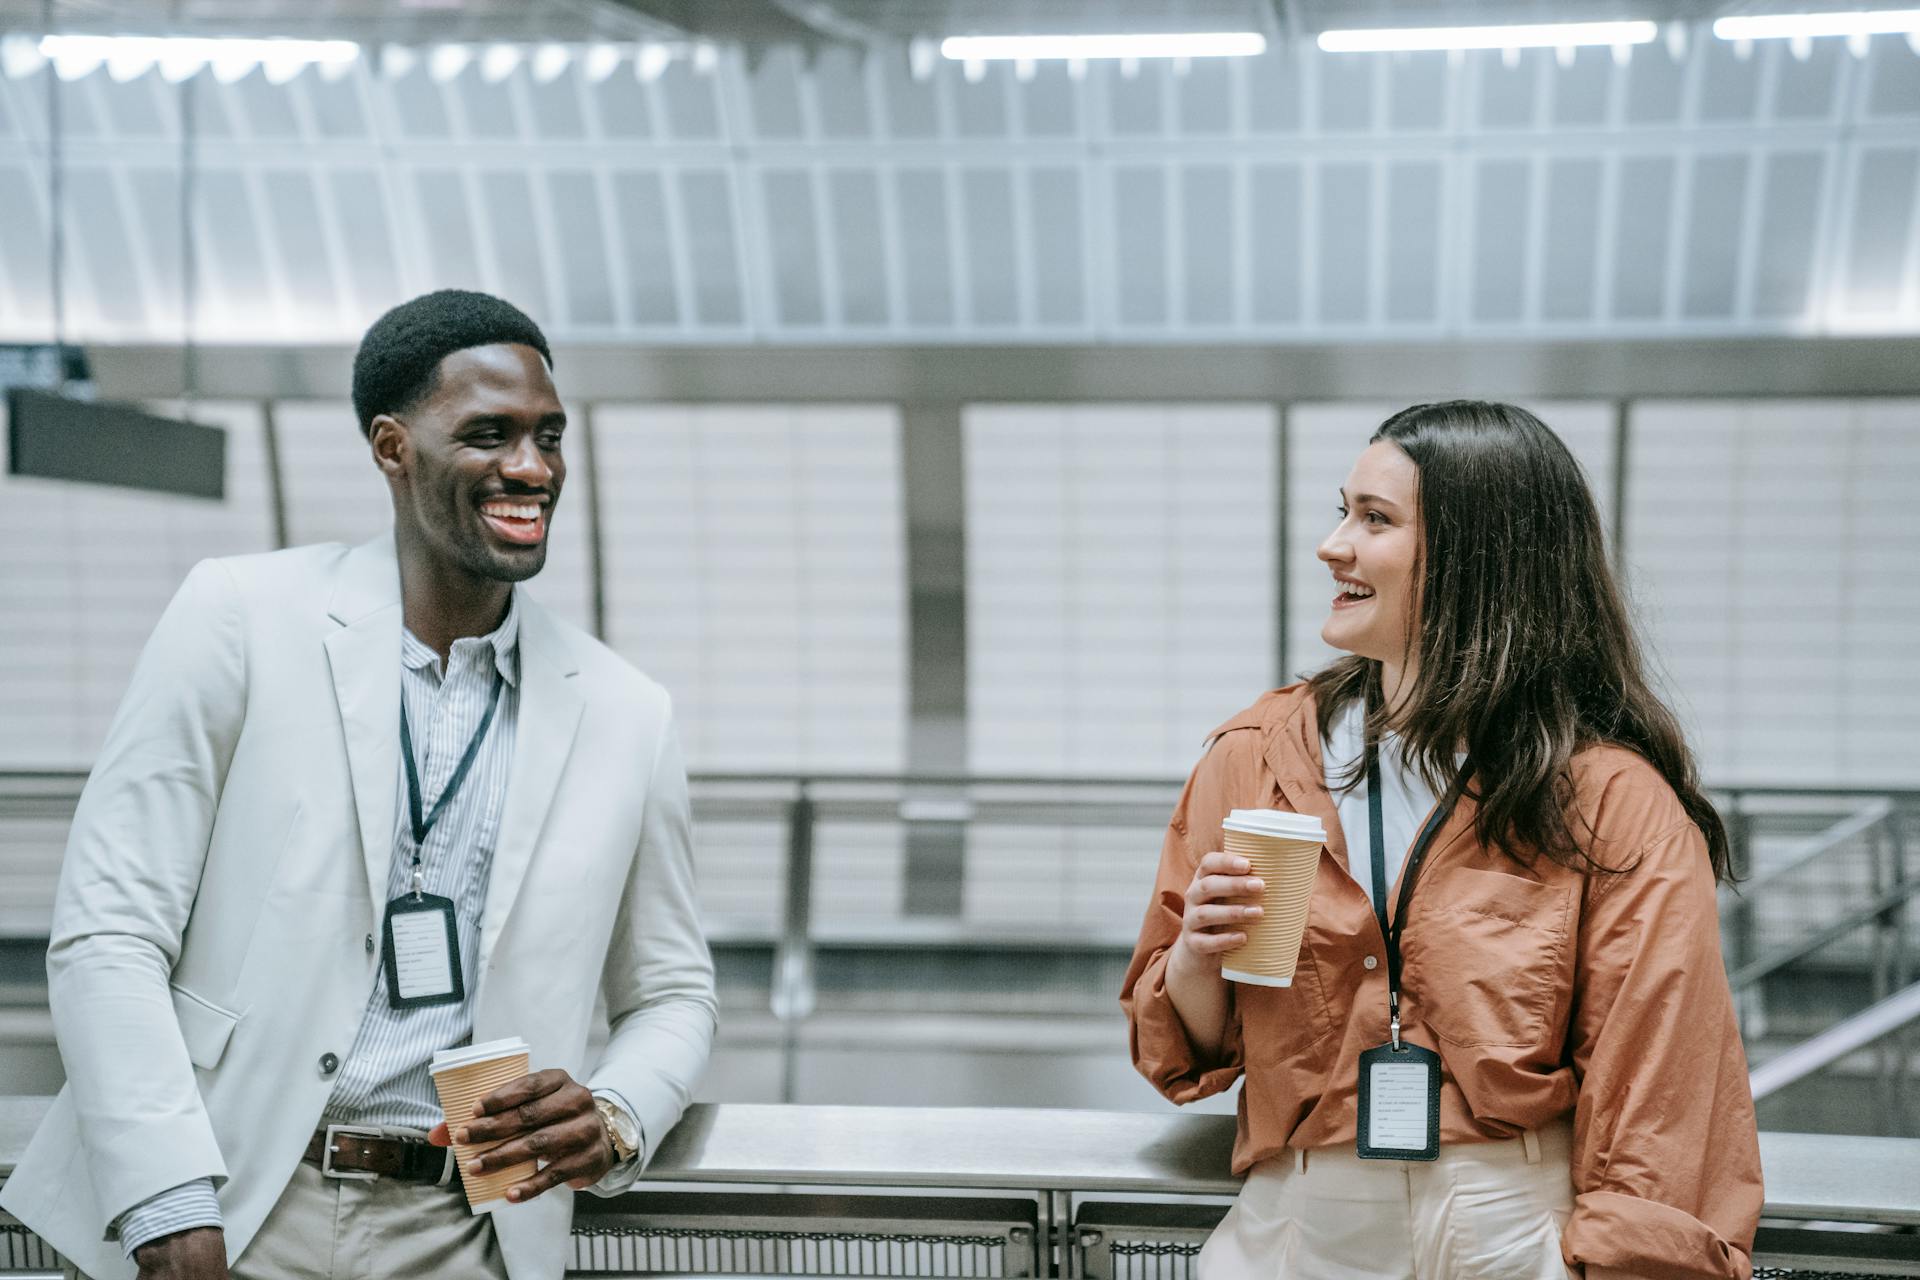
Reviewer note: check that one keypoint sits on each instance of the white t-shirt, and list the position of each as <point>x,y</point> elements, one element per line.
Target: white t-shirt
<point>1405,800</point>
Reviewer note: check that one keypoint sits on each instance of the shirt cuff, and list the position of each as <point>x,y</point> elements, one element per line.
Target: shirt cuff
<point>191,1204</point>
<point>624,1174</point>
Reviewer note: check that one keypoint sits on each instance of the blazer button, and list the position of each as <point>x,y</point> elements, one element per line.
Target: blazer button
<point>1371,963</point>
<point>328,1064</point>
<point>369,944</point>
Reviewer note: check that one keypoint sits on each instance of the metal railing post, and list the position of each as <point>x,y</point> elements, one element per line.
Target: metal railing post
<point>792,988</point>
<point>1749,1005</point>
<point>1894,969</point>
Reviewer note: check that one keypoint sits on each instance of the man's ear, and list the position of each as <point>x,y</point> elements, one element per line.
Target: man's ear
<point>391,447</point>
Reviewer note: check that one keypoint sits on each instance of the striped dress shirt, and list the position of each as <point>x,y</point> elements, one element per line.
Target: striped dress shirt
<point>384,1079</point>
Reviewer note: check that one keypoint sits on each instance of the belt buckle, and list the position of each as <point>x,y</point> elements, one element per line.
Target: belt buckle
<point>326,1155</point>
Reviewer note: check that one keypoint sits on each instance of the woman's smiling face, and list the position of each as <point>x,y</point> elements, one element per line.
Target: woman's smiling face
<point>1374,553</point>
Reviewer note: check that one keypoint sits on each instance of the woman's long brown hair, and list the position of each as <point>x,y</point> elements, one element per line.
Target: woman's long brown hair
<point>1526,652</point>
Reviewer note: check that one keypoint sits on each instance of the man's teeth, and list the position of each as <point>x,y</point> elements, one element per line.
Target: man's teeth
<point>512,510</point>
<point>1357,592</point>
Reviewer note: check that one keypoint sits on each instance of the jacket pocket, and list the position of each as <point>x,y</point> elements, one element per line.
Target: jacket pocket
<point>1280,1024</point>
<point>1491,952</point>
<point>205,1027</point>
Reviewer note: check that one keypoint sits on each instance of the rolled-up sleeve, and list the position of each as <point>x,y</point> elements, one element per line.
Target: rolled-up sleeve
<point>1666,1161</point>
<point>1162,1050</point>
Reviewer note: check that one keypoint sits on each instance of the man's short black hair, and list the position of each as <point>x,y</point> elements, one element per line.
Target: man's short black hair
<point>399,359</point>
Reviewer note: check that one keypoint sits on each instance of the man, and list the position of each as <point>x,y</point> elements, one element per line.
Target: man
<point>326,748</point>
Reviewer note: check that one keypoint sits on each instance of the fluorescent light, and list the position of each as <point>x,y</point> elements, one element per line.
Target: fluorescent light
<point>447,61</point>
<point>498,62</point>
<point>182,57</point>
<point>922,56</point>
<point>652,62</point>
<point>1788,26</point>
<point>602,61</point>
<point>396,60</point>
<point>550,62</point>
<point>20,57</point>
<point>177,68</point>
<point>1198,44</point>
<point>1540,35</point>
<point>129,64</point>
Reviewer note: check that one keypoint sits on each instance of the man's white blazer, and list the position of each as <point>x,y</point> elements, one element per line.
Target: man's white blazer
<point>228,862</point>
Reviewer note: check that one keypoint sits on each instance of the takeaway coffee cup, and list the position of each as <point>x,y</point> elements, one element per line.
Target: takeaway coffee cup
<point>463,1076</point>
<point>1283,849</point>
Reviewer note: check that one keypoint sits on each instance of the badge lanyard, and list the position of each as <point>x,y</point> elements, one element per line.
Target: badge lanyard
<point>422,937</point>
<point>1399,1087</point>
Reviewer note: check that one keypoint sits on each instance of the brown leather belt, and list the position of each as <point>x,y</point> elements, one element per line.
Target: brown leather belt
<point>354,1152</point>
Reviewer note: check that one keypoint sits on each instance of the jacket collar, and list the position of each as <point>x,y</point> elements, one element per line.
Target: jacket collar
<point>1287,720</point>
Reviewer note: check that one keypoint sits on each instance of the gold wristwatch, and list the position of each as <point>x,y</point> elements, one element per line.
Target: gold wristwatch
<point>622,1132</point>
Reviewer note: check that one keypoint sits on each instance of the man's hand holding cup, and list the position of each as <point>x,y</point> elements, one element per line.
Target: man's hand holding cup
<point>547,1117</point>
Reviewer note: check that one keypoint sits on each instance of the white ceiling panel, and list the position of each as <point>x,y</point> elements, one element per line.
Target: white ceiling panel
<point>1690,188</point>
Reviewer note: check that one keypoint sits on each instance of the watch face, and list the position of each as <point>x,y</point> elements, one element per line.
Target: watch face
<point>620,1129</point>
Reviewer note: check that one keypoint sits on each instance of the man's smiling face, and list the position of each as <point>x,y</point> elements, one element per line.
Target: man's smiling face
<point>479,471</point>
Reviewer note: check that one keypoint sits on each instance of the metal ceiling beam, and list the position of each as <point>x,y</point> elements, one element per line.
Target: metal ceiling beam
<point>1664,367</point>
<point>747,22</point>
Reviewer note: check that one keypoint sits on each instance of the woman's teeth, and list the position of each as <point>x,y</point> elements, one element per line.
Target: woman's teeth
<point>1354,592</point>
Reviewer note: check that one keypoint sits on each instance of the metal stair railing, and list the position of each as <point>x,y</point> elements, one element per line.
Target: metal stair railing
<point>1898,1011</point>
<point>1816,903</point>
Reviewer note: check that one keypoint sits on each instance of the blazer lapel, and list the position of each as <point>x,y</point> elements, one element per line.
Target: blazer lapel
<point>364,657</point>
<point>550,707</point>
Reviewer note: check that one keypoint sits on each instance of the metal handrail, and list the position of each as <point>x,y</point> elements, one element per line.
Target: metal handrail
<point>1808,1176</point>
<point>1748,974</point>
<point>1834,837</point>
<point>1899,1010</point>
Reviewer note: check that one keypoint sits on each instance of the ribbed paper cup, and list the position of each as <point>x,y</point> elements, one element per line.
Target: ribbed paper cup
<point>463,1076</point>
<point>1283,849</point>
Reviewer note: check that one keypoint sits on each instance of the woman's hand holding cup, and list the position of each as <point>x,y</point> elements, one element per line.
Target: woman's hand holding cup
<point>1222,900</point>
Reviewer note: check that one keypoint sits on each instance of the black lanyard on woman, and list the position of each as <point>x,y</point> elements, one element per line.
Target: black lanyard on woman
<point>1416,855</point>
<point>1399,1085</point>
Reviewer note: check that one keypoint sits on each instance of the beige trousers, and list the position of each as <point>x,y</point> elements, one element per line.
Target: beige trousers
<point>1485,1211</point>
<point>336,1229</point>
<point>333,1229</point>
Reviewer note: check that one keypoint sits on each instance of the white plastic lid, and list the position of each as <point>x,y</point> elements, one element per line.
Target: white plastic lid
<point>468,1054</point>
<point>1276,822</point>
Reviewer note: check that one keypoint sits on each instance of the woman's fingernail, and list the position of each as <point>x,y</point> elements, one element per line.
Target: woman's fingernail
<point>473,1165</point>
<point>513,1193</point>
<point>462,1136</point>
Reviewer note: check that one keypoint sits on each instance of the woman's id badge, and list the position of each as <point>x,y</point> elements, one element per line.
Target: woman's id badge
<point>1399,1103</point>
<point>423,952</point>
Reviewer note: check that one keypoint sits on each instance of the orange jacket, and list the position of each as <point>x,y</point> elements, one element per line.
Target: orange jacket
<point>1545,991</point>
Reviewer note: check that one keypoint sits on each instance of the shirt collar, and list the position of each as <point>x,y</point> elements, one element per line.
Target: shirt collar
<point>504,640</point>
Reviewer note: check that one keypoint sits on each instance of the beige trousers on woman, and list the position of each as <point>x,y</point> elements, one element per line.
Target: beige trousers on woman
<point>1487,1211</point>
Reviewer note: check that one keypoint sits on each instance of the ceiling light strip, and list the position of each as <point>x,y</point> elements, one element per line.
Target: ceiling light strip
<point>1193,44</point>
<point>1543,35</point>
<point>1795,26</point>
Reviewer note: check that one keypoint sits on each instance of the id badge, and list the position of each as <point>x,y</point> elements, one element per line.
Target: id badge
<point>422,952</point>
<point>1399,1103</point>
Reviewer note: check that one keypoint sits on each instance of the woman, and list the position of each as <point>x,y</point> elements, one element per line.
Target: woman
<point>1559,946</point>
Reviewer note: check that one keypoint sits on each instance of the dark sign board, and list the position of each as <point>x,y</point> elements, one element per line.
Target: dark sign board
<point>63,439</point>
